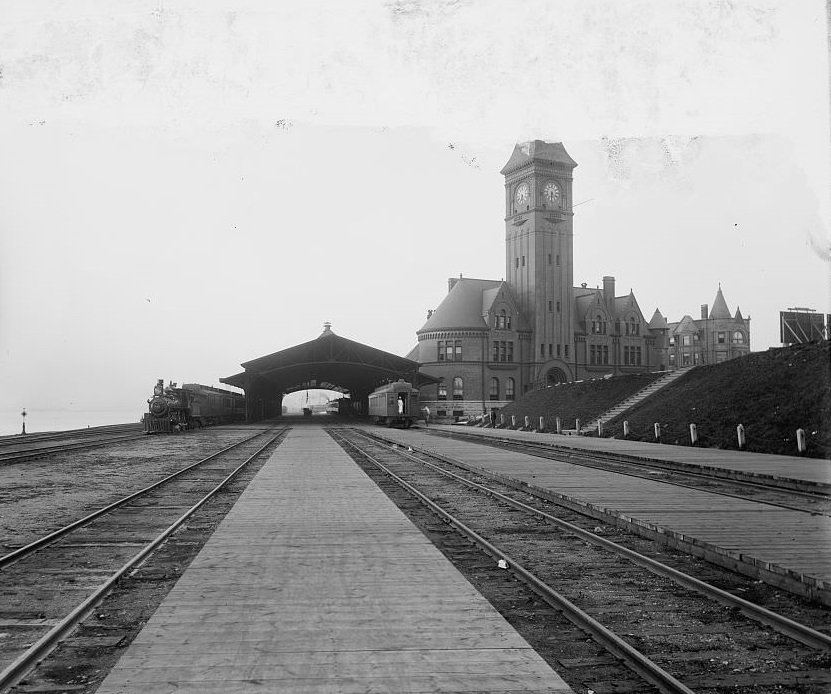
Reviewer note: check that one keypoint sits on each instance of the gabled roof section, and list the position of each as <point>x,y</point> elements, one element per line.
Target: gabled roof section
<point>541,151</point>
<point>624,304</point>
<point>685,325</point>
<point>586,301</point>
<point>331,362</point>
<point>463,307</point>
<point>720,309</point>
<point>739,315</point>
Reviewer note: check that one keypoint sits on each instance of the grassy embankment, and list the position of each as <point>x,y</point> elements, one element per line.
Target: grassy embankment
<point>772,394</point>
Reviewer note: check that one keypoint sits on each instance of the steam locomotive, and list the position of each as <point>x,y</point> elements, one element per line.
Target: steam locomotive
<point>175,409</point>
<point>394,404</point>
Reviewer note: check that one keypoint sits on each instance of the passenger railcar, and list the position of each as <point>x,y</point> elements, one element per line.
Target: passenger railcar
<point>175,409</point>
<point>394,404</point>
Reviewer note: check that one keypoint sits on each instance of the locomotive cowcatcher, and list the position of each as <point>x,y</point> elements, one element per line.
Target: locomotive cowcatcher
<point>191,406</point>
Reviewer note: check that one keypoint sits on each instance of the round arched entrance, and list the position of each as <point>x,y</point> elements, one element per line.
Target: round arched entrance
<point>556,375</point>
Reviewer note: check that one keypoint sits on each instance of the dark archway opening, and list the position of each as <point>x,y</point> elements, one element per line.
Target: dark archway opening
<point>556,375</point>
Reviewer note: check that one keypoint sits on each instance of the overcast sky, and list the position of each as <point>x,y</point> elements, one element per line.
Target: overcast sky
<point>185,186</point>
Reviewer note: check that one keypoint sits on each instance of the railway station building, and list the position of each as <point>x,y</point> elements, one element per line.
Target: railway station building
<point>490,341</point>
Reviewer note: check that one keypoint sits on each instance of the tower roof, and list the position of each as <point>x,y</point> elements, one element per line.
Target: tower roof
<point>538,150</point>
<point>720,309</point>
<point>462,307</point>
<point>658,321</point>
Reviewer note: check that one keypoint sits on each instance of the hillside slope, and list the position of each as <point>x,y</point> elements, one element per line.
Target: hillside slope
<point>772,394</point>
<point>583,400</point>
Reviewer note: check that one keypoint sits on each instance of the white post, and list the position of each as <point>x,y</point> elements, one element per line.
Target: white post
<point>559,426</point>
<point>600,428</point>
<point>657,431</point>
<point>577,426</point>
<point>626,429</point>
<point>740,435</point>
<point>693,434</point>
<point>513,420</point>
<point>527,422</point>
<point>542,423</point>
<point>502,420</point>
<point>800,440</point>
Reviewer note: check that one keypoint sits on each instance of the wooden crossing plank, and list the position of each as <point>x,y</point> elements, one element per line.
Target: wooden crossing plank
<point>315,581</point>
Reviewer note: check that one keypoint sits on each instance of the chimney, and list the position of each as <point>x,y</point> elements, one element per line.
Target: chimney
<point>609,295</point>
<point>704,311</point>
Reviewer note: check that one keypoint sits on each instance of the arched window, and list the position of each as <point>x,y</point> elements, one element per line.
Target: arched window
<point>442,390</point>
<point>494,389</point>
<point>599,325</point>
<point>509,389</point>
<point>738,338</point>
<point>633,326</point>
<point>503,320</point>
<point>458,389</point>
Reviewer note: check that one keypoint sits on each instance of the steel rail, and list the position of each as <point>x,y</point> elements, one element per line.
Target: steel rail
<point>28,454</point>
<point>46,540</point>
<point>636,660</point>
<point>24,664</point>
<point>567,454</point>
<point>799,632</point>
<point>784,625</point>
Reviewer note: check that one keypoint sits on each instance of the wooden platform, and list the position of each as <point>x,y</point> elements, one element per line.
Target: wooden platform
<point>814,470</point>
<point>316,582</point>
<point>788,548</point>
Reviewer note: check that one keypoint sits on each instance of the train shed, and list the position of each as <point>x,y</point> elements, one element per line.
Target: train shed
<point>330,362</point>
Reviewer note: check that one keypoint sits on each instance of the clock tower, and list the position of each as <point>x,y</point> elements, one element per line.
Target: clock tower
<point>539,252</point>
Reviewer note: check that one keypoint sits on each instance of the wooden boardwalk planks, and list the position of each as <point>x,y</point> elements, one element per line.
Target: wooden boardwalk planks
<point>315,582</point>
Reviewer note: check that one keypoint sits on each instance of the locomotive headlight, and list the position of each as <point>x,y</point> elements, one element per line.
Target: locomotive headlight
<point>158,407</point>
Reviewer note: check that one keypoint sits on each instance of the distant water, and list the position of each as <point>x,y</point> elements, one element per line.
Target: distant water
<point>62,420</point>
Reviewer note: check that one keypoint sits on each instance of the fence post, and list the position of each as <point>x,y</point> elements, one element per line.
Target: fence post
<point>626,429</point>
<point>599,428</point>
<point>513,420</point>
<point>740,436</point>
<point>577,426</point>
<point>657,431</point>
<point>542,423</point>
<point>527,422</point>
<point>502,420</point>
<point>559,424</point>
<point>693,434</point>
<point>800,440</point>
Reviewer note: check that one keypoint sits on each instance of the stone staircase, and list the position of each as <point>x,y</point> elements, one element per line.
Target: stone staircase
<point>632,400</point>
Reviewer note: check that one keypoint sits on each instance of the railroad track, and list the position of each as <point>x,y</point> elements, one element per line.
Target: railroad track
<point>22,448</point>
<point>52,584</point>
<point>790,494</point>
<point>662,629</point>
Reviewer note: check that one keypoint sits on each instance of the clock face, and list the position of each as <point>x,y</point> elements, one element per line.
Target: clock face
<point>551,193</point>
<point>522,194</point>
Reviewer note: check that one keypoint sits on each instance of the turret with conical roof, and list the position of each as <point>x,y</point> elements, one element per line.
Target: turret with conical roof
<point>720,310</point>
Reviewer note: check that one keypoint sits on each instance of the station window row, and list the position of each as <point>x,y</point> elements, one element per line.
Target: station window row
<point>510,386</point>
<point>450,350</point>
<point>503,350</point>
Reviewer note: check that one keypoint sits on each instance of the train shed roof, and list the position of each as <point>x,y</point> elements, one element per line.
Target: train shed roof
<point>331,362</point>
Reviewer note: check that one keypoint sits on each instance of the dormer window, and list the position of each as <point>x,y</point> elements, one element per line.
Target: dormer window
<point>599,325</point>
